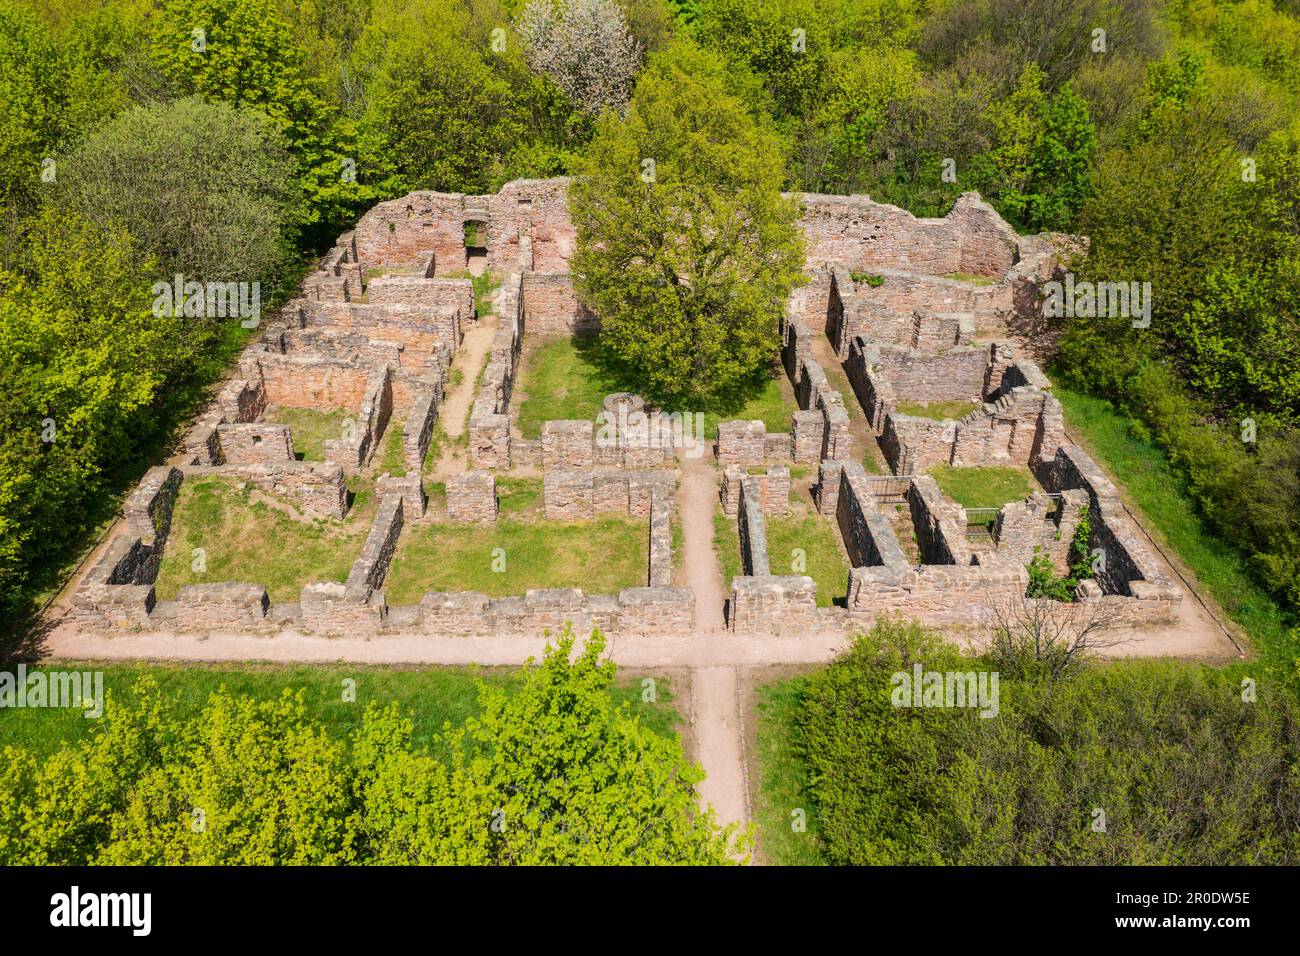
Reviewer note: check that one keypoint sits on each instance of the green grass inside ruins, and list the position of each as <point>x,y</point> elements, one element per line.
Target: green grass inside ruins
<point>986,487</point>
<point>787,535</point>
<point>568,378</point>
<point>1146,480</point>
<point>601,556</point>
<point>310,428</point>
<point>939,411</point>
<point>432,695</point>
<point>246,535</point>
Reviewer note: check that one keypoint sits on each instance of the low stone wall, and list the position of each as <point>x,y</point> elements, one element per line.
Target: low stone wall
<point>417,430</point>
<point>939,593</point>
<point>773,604</point>
<point>254,443</point>
<point>489,425</point>
<point>813,392</point>
<point>242,401</point>
<point>868,536</point>
<point>575,495</point>
<point>314,486</point>
<point>773,489</point>
<point>409,488</point>
<point>117,592</point>
<point>568,444</point>
<point>419,330</point>
<point>630,612</point>
<point>940,524</point>
<point>231,604</point>
<point>753,531</point>
<point>661,542</point>
<point>742,443</point>
<point>355,452</point>
<point>1129,567</point>
<point>371,566</point>
<point>472,496</point>
<point>1037,525</point>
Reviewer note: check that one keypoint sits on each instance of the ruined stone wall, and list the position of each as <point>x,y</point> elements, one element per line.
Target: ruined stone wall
<point>356,451</point>
<point>243,400</point>
<point>489,425</point>
<point>741,443</point>
<point>1130,567</point>
<point>940,524</point>
<point>753,530</point>
<point>402,233</point>
<point>536,209</point>
<point>661,542</point>
<point>314,486</point>
<point>302,381</point>
<point>228,605</point>
<point>552,307</point>
<point>868,536</point>
<point>773,604</point>
<point>939,593</point>
<point>371,566</point>
<point>957,374</point>
<point>419,329</point>
<point>472,496</point>
<point>861,233</point>
<point>574,495</point>
<point>254,443</point>
<point>773,489</point>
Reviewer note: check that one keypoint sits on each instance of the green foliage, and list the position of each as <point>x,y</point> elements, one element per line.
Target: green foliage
<point>926,785</point>
<point>82,364</point>
<point>689,268</point>
<point>552,772</point>
<point>205,187</point>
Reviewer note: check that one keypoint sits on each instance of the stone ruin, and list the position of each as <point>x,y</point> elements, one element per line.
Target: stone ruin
<point>913,310</point>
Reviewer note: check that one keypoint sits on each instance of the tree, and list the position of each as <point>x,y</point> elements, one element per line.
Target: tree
<point>436,110</point>
<point>686,248</point>
<point>585,47</point>
<point>206,189</point>
<point>244,53</point>
<point>549,774</point>
<point>82,363</point>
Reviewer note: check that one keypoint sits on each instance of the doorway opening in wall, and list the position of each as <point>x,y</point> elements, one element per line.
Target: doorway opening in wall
<point>476,246</point>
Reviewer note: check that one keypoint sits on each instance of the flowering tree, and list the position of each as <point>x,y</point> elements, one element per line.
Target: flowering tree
<point>585,47</point>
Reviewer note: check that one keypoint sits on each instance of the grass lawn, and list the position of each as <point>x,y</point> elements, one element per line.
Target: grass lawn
<point>988,487</point>
<point>939,411</point>
<point>1147,480</point>
<point>432,695</point>
<point>389,457</point>
<point>518,496</point>
<point>601,556</point>
<point>814,534</point>
<point>822,559</point>
<point>783,780</point>
<point>311,428</point>
<point>563,378</point>
<point>251,541</point>
<point>568,378</point>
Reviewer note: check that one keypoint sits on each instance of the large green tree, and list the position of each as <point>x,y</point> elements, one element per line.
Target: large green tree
<point>686,248</point>
<point>207,189</point>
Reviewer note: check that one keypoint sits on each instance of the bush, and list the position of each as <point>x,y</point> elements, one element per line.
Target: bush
<point>933,785</point>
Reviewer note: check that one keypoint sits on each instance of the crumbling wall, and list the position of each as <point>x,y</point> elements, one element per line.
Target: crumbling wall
<point>472,496</point>
<point>552,306</point>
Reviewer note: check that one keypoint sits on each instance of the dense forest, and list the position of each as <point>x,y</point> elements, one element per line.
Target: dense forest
<point>233,139</point>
